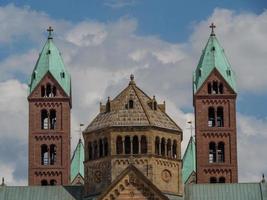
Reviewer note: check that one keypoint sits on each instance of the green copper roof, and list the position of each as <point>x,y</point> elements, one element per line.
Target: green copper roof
<point>50,60</point>
<point>226,191</point>
<point>77,161</point>
<point>189,160</point>
<point>41,192</point>
<point>213,57</point>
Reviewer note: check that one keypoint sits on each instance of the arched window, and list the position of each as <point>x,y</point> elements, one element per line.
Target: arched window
<point>119,144</point>
<point>127,145</point>
<point>44,155</point>
<point>215,87</point>
<point>209,88</point>
<point>44,182</point>
<point>220,117</point>
<point>44,119</point>
<point>53,154</point>
<point>221,180</point>
<point>143,144</point>
<point>212,152</point>
<point>54,91</point>
<point>221,88</point>
<point>43,91</point>
<point>174,149</point>
<point>169,144</point>
<point>101,148</point>
<point>163,142</point>
<point>53,119</point>
<point>220,152</point>
<point>105,147</point>
<point>135,145</point>
<point>53,182</point>
<point>131,104</point>
<point>211,120</point>
<point>157,145</point>
<point>95,150</point>
<point>90,151</point>
<point>213,180</point>
<point>48,90</point>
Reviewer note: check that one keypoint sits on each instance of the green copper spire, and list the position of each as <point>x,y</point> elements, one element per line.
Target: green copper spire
<point>50,60</point>
<point>213,57</point>
<point>77,161</point>
<point>189,160</point>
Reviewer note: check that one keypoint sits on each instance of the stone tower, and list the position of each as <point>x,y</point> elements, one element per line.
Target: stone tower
<point>49,119</point>
<point>132,130</point>
<point>214,102</point>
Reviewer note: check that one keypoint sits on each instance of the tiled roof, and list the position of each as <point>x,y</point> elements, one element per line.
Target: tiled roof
<point>226,191</point>
<point>142,113</point>
<point>41,192</point>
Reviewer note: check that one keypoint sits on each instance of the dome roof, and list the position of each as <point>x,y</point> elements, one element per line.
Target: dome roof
<point>132,107</point>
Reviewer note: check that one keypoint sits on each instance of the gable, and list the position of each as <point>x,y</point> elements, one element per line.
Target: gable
<point>215,76</point>
<point>132,184</point>
<point>48,79</point>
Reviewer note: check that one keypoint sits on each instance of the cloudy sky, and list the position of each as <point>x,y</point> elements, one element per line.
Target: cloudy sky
<point>160,42</point>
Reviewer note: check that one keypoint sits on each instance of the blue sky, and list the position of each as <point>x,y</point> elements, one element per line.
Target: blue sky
<point>103,42</point>
<point>171,20</point>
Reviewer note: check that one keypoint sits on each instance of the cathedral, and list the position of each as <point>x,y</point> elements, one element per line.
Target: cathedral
<point>132,148</point>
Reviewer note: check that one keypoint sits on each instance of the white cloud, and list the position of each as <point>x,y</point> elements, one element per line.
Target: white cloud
<point>252,147</point>
<point>85,34</point>
<point>101,56</point>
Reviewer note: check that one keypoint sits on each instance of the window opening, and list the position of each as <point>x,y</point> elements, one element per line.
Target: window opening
<point>135,145</point>
<point>157,145</point>
<point>53,182</point>
<point>131,104</point>
<point>101,146</point>
<point>119,144</point>
<point>53,119</point>
<point>220,117</point>
<point>169,148</point>
<point>211,120</point>
<point>212,152</point>
<point>174,149</point>
<point>220,152</point>
<point>127,145</point>
<point>44,182</point>
<point>163,147</point>
<point>44,119</point>
<point>53,154</point>
<point>44,155</point>
<point>213,180</point>
<point>143,144</point>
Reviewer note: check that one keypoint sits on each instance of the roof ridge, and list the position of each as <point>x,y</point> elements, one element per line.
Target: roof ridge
<point>145,111</point>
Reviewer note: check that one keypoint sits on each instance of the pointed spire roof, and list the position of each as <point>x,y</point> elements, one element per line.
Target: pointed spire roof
<point>189,160</point>
<point>77,161</point>
<point>213,57</point>
<point>50,60</point>
<point>132,107</point>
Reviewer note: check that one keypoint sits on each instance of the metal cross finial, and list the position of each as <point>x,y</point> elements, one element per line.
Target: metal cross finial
<point>80,131</point>
<point>212,26</point>
<point>50,30</point>
<point>191,127</point>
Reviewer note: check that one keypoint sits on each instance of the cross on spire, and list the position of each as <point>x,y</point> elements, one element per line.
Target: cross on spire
<point>212,26</point>
<point>50,30</point>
